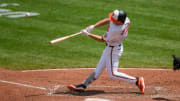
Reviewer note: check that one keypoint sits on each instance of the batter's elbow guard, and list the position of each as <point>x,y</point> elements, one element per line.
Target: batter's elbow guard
<point>176,62</point>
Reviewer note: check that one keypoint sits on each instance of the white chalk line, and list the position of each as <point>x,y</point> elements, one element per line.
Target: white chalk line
<point>50,90</point>
<point>24,85</point>
<point>62,86</point>
<point>94,68</point>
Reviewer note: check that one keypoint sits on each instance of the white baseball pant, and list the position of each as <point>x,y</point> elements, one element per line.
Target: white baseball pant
<point>110,60</point>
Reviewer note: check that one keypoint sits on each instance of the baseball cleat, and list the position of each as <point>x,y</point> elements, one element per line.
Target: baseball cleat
<point>79,88</point>
<point>140,84</point>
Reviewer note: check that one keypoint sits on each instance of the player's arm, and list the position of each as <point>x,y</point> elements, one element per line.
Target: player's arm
<point>98,24</point>
<point>93,36</point>
<point>102,22</point>
<point>96,37</point>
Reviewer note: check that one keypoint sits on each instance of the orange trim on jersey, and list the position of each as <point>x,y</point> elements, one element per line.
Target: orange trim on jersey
<point>122,32</point>
<point>112,68</point>
<point>125,30</point>
<point>114,20</point>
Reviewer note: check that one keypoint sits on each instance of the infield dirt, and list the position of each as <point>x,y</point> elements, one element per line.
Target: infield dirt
<point>51,85</point>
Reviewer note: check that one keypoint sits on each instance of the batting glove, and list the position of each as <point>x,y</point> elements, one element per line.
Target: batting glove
<point>90,28</point>
<point>84,32</point>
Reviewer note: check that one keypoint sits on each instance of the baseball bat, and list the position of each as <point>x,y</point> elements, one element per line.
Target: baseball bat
<point>63,38</point>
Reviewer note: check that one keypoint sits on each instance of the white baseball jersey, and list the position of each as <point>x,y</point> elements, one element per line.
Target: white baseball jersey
<point>116,33</point>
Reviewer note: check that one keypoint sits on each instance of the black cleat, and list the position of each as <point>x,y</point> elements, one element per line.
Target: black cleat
<point>79,88</point>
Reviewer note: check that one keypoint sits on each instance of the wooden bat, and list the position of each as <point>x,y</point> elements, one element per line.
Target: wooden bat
<point>63,38</point>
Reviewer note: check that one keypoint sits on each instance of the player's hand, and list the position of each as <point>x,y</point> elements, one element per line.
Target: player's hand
<point>90,28</point>
<point>84,32</point>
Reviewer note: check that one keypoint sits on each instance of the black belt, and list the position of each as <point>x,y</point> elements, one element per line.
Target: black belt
<point>112,46</point>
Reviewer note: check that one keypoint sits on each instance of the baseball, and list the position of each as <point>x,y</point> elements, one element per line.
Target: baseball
<point>27,14</point>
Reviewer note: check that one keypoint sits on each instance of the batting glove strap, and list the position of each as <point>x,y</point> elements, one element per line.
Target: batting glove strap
<point>90,28</point>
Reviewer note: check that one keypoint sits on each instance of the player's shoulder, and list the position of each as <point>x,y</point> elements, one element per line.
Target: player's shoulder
<point>127,20</point>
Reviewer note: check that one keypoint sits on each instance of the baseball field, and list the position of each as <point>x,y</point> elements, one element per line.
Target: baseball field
<point>33,70</point>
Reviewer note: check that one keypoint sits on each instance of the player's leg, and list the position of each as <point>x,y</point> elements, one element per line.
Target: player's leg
<point>112,66</point>
<point>95,75</point>
<point>98,71</point>
<point>92,77</point>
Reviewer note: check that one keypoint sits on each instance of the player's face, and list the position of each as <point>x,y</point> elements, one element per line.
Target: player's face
<point>118,22</point>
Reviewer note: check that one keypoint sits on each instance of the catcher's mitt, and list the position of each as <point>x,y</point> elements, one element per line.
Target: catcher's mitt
<point>176,62</point>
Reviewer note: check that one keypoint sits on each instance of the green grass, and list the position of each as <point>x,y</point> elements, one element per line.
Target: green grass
<point>153,35</point>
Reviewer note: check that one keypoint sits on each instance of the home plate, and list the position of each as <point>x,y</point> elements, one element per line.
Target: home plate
<point>96,99</point>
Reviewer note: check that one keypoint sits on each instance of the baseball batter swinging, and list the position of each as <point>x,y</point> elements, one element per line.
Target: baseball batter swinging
<point>118,24</point>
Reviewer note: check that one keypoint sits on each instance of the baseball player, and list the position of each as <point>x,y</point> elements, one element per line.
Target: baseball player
<point>117,31</point>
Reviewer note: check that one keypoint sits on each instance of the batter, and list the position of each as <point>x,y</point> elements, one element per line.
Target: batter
<point>118,24</point>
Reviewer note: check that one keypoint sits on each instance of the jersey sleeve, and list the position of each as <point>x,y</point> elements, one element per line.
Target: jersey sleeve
<point>104,37</point>
<point>125,33</point>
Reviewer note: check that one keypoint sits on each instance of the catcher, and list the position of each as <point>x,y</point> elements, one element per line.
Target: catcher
<point>176,62</point>
<point>118,24</point>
